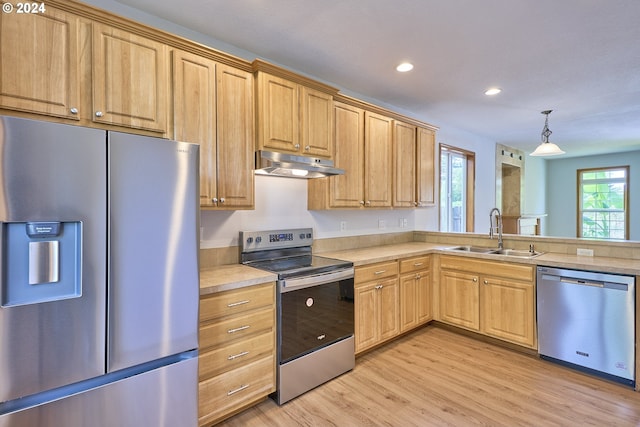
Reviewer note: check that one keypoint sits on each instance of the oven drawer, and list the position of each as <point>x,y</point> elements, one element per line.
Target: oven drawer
<point>235,389</point>
<point>376,271</point>
<point>235,355</point>
<point>415,264</point>
<point>236,301</point>
<point>236,327</point>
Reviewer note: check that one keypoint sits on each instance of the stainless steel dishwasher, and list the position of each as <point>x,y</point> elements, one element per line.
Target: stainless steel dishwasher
<point>586,320</point>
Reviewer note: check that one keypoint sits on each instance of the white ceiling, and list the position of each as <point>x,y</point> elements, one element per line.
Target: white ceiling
<point>580,58</point>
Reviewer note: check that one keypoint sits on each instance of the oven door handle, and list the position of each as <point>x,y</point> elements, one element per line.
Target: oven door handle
<point>289,285</point>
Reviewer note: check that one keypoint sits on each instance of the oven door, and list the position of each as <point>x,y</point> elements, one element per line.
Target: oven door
<point>314,312</point>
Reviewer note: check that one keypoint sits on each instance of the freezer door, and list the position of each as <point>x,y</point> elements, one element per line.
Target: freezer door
<point>153,249</point>
<point>125,402</point>
<point>52,255</point>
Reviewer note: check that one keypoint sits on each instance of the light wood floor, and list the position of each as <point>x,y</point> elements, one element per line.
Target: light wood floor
<point>436,377</point>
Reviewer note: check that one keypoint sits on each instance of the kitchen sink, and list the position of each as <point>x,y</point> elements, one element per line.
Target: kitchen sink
<point>506,252</point>
<point>476,249</point>
<point>517,253</point>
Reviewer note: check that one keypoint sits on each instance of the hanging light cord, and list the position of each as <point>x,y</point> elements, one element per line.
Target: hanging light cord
<point>546,133</point>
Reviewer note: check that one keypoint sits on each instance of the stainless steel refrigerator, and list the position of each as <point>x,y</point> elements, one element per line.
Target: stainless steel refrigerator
<point>98,278</point>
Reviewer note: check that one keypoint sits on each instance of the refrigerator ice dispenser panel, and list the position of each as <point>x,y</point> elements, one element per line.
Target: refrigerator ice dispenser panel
<point>41,262</point>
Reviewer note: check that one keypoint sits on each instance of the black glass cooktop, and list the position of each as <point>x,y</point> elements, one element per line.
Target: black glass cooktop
<point>301,265</point>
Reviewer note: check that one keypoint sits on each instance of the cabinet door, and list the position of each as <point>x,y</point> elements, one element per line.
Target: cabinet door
<point>424,298</point>
<point>388,309</point>
<point>348,190</point>
<point>404,164</point>
<point>39,63</point>
<point>366,317</point>
<point>317,122</point>
<point>408,302</point>
<point>378,160</point>
<point>194,109</point>
<point>130,79</point>
<point>235,137</point>
<point>460,299</point>
<point>278,114</point>
<point>425,167</point>
<point>508,309</point>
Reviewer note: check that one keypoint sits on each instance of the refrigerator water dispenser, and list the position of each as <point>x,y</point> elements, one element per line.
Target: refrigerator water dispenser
<point>41,262</point>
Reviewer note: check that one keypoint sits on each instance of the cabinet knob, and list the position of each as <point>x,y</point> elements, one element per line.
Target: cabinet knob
<point>475,279</point>
<point>214,200</point>
<point>368,203</point>
<point>486,282</point>
<point>418,276</point>
<point>74,110</point>
<point>99,114</point>
<point>221,199</point>
<point>362,202</point>
<point>379,286</point>
<point>297,146</point>
<point>307,148</point>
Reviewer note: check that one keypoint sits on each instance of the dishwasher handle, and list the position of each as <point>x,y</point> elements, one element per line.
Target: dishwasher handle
<point>586,282</point>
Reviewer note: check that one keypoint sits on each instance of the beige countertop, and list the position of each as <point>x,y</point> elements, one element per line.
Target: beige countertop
<point>234,276</point>
<point>385,253</point>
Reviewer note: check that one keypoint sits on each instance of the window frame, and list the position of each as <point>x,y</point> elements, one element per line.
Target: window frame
<point>579,208</point>
<point>470,159</point>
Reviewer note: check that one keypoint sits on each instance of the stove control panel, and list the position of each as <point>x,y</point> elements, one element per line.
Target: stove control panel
<point>251,241</point>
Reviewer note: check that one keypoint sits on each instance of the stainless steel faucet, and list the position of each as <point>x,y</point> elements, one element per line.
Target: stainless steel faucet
<point>498,226</point>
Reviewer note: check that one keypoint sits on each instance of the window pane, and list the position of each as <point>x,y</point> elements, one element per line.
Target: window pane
<point>602,209</point>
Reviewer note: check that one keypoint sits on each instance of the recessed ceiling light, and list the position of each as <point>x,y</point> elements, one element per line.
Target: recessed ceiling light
<point>493,91</point>
<point>404,67</point>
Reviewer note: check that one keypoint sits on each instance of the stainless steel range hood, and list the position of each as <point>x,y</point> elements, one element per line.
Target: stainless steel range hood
<point>292,166</point>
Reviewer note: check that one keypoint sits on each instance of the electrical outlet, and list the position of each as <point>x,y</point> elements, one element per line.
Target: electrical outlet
<point>381,224</point>
<point>584,252</point>
<point>405,223</point>
<point>401,222</point>
<point>343,225</point>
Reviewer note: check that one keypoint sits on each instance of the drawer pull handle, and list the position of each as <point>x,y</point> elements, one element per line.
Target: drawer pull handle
<point>321,337</point>
<point>235,304</point>
<point>380,272</point>
<point>235,356</point>
<point>241,328</point>
<point>242,387</point>
<point>417,264</point>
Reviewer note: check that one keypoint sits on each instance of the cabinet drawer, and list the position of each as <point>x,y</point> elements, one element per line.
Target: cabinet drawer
<point>237,327</point>
<point>230,391</point>
<point>236,301</point>
<point>376,271</point>
<point>415,264</point>
<point>235,355</point>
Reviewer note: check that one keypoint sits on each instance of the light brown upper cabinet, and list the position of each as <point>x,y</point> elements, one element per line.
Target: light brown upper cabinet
<point>293,118</point>
<point>39,63</point>
<point>364,151</point>
<point>213,106</point>
<point>343,191</point>
<point>130,80</point>
<point>378,160</point>
<point>404,165</point>
<point>425,166</point>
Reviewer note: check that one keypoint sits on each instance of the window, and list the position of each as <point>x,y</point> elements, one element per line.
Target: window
<point>457,177</point>
<point>602,203</point>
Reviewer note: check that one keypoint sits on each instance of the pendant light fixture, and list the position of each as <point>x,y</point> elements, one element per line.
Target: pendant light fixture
<point>547,148</point>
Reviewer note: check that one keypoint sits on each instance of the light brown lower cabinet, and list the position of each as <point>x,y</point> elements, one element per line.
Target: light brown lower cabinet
<point>415,292</point>
<point>376,304</point>
<point>237,351</point>
<point>494,298</point>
